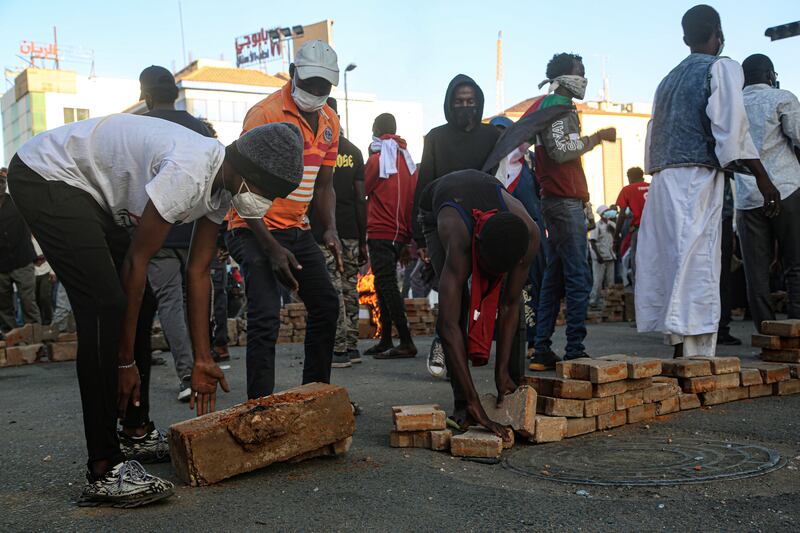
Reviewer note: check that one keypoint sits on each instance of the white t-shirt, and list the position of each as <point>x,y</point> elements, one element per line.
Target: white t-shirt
<point>125,160</point>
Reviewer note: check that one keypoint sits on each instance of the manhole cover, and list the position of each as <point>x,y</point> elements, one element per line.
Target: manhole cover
<point>643,461</point>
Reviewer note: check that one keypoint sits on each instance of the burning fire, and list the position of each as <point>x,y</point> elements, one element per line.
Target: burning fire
<point>367,296</point>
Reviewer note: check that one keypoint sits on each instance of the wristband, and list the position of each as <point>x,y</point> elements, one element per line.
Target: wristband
<point>121,367</point>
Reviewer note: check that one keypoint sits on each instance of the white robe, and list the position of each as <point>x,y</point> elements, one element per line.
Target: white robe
<point>679,250</point>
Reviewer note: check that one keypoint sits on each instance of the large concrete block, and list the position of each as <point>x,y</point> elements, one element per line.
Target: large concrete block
<point>518,410</point>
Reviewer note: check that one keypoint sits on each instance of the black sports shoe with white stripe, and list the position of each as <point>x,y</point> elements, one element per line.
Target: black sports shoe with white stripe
<point>152,447</point>
<point>126,485</point>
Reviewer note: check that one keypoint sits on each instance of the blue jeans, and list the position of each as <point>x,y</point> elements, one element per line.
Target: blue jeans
<point>567,273</point>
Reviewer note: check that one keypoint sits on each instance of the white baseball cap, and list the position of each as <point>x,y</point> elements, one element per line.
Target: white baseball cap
<point>316,59</point>
<point>602,209</point>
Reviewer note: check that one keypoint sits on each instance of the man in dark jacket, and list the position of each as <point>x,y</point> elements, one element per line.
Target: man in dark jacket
<point>16,263</point>
<point>462,143</point>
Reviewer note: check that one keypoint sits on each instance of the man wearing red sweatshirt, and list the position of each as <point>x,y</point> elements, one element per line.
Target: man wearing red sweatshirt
<point>390,178</point>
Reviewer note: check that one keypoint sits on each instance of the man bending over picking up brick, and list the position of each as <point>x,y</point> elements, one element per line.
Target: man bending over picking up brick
<point>474,227</point>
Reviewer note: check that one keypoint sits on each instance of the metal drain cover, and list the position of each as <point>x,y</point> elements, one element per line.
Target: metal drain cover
<point>638,461</point>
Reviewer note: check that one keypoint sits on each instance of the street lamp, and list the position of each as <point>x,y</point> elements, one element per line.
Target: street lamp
<point>351,66</point>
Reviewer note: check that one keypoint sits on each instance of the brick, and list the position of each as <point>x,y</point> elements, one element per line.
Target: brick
<point>440,440</point>
<point>771,372</point>
<point>233,329</point>
<point>559,407</point>
<point>781,328</point>
<point>668,405</point>
<point>18,336</point>
<point>785,388</point>
<point>638,384</point>
<point>686,368</point>
<point>329,450</point>
<point>572,389</point>
<point>67,337</point>
<point>749,376</point>
<point>781,356</point>
<point>550,428</point>
<point>698,384</point>
<point>722,365</point>
<point>603,390</point>
<point>518,410</point>
<point>789,343</point>
<point>757,391</point>
<point>628,399</point>
<point>598,406</point>
<point>638,367</point>
<point>641,413</point>
<point>727,381</point>
<point>410,439</point>
<point>772,342</point>
<point>476,442</point>
<point>724,395</point>
<point>418,418</point>
<point>667,379</point>
<point>63,351</point>
<point>659,392</point>
<point>22,355</point>
<point>737,393</point>
<point>580,426</point>
<point>689,401</point>
<point>3,361</point>
<point>252,435</point>
<point>573,369</point>
<point>612,420</point>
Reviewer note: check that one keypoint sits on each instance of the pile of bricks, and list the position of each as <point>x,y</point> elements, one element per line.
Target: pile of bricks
<point>613,303</point>
<point>293,323</point>
<point>780,341</point>
<point>421,320</point>
<point>34,343</point>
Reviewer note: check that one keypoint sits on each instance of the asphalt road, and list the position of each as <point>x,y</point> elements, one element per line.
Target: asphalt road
<point>377,488</point>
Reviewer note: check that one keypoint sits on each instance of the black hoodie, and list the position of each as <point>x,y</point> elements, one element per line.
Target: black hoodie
<point>449,148</point>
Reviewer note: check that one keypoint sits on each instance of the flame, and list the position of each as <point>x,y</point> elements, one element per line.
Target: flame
<point>367,296</point>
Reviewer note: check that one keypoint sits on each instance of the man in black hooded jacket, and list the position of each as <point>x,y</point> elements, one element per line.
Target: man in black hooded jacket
<point>460,144</point>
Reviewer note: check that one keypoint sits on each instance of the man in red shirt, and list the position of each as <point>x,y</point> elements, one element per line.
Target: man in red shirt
<point>631,202</point>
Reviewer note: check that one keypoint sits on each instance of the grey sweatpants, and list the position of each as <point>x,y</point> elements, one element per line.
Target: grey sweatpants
<point>25,280</point>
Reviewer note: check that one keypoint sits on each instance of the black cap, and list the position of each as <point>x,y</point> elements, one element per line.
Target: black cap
<point>155,77</point>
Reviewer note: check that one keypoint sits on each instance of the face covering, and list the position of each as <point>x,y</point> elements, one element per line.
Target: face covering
<point>249,204</point>
<point>610,214</point>
<point>464,117</point>
<point>305,100</point>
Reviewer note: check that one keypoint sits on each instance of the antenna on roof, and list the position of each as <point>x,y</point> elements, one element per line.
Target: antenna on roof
<point>183,41</point>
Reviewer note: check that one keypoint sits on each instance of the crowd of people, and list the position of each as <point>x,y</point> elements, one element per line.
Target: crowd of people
<point>135,216</point>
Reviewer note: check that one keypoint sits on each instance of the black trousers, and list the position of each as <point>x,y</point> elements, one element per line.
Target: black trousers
<point>757,236</point>
<point>383,256</point>
<point>86,248</point>
<point>264,304</point>
<point>726,277</point>
<point>219,313</point>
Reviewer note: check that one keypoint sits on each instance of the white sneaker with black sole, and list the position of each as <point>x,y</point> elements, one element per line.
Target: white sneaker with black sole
<point>436,365</point>
<point>126,485</point>
<point>185,390</point>
<point>152,447</point>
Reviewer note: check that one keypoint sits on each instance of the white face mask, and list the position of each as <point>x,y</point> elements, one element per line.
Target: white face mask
<point>305,100</point>
<point>249,204</point>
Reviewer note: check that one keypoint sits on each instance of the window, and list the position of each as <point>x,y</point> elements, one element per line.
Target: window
<point>72,114</point>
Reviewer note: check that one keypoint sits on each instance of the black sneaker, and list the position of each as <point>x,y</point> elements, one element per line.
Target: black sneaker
<point>543,361</point>
<point>582,355</point>
<point>341,360</point>
<point>728,340</point>
<point>126,485</point>
<point>355,356</point>
<point>152,447</point>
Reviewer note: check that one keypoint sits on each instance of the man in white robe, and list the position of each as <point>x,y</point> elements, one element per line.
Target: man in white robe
<point>699,127</point>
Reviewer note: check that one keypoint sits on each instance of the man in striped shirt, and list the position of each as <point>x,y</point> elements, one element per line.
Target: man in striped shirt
<point>280,248</point>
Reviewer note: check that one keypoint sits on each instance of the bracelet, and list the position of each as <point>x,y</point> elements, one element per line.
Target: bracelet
<point>133,364</point>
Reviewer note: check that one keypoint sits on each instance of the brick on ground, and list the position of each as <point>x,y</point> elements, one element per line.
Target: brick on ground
<point>787,387</point>
<point>518,410</point>
<point>781,328</point>
<point>638,384</point>
<point>580,426</point>
<point>418,418</point>
<point>727,381</point>
<point>689,401</point>
<point>21,335</point>
<point>749,376</point>
<point>641,413</point>
<point>67,337</point>
<point>22,354</point>
<point>772,342</point>
<point>3,361</point>
<point>698,384</point>
<point>598,406</point>
<point>603,390</point>
<point>722,365</point>
<point>476,442</point>
<point>252,435</point>
<point>638,367</point>
<point>559,407</point>
<point>63,351</point>
<point>594,370</point>
<point>719,396</point>
<point>550,428</point>
<point>658,392</point>
<point>612,420</point>
<point>667,379</point>
<point>686,368</point>
<point>760,390</point>
<point>668,405</point>
<point>771,372</point>
<point>628,400</point>
<point>440,440</point>
<point>786,355</point>
<point>410,439</point>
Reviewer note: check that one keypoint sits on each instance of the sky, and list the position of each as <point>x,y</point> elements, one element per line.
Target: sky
<point>410,50</point>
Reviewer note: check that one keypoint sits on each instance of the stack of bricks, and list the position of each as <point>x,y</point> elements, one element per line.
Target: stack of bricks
<point>613,304</point>
<point>780,341</point>
<point>419,426</point>
<point>293,323</point>
<point>33,343</point>
<point>421,320</point>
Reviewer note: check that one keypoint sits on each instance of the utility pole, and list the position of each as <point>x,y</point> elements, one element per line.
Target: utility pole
<point>499,97</point>
<point>183,41</point>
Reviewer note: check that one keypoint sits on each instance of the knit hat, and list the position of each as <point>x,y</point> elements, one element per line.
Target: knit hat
<point>270,157</point>
<point>602,209</point>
